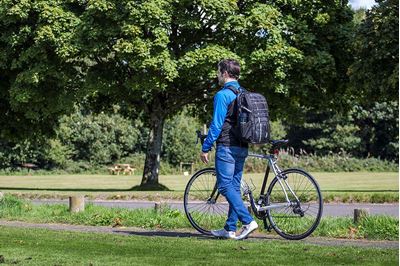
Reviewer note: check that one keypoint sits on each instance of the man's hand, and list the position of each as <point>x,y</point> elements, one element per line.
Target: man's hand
<point>204,157</point>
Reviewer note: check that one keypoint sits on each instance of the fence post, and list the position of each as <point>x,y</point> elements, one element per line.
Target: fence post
<point>157,207</point>
<point>76,203</point>
<point>359,214</point>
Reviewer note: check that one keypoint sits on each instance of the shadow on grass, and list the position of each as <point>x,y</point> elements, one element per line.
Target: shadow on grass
<point>164,234</point>
<point>195,235</point>
<point>151,187</point>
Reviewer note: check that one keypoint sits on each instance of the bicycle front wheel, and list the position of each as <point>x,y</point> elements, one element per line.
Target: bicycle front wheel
<point>205,208</point>
<point>302,217</point>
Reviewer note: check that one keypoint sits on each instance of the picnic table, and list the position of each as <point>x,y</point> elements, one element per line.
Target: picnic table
<point>124,168</point>
<point>29,166</point>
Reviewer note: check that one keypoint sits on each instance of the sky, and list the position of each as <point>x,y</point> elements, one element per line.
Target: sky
<point>361,3</point>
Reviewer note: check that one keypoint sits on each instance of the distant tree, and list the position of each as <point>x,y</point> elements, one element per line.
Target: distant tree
<point>375,72</point>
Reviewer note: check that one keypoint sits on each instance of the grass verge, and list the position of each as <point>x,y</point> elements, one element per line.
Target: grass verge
<point>45,247</point>
<point>11,208</point>
<point>328,196</point>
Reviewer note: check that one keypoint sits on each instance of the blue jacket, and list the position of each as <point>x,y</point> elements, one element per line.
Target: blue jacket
<point>222,99</point>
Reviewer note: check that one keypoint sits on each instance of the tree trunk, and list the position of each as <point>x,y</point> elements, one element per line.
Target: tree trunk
<point>152,161</point>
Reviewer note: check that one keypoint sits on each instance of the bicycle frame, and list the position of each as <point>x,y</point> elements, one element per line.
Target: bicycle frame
<point>282,181</point>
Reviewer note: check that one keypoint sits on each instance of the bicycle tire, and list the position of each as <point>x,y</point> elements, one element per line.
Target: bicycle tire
<point>210,215</point>
<point>314,203</point>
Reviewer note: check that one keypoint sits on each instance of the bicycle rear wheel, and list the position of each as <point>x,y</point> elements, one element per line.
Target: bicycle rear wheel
<point>205,208</point>
<point>303,216</point>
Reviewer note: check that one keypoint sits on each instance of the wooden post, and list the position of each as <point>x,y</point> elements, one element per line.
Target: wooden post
<point>180,167</point>
<point>157,207</point>
<point>76,203</point>
<point>204,129</point>
<point>191,168</point>
<point>359,214</point>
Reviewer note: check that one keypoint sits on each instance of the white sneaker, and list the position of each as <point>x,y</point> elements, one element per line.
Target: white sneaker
<point>247,229</point>
<point>222,233</point>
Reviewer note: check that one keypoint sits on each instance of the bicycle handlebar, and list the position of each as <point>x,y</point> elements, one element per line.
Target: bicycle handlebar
<point>200,136</point>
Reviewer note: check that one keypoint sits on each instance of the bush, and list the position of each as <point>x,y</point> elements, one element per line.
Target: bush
<point>329,163</point>
<point>100,139</point>
<point>179,140</point>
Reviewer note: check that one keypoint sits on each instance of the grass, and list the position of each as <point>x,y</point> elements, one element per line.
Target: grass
<point>347,187</point>
<point>45,247</point>
<point>11,208</point>
<point>345,181</point>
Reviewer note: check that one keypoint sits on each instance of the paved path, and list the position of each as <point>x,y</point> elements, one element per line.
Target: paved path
<point>330,209</point>
<point>322,241</point>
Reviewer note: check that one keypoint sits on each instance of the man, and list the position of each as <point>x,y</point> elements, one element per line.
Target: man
<point>230,154</point>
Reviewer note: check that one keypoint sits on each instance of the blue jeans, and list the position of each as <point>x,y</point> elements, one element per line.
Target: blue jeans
<point>229,162</point>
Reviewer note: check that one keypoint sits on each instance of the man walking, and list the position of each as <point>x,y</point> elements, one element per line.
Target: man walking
<point>231,152</point>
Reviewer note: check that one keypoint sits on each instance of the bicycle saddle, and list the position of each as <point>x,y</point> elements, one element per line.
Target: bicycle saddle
<point>278,143</point>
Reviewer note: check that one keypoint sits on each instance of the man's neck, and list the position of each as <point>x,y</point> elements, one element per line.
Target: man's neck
<point>229,80</point>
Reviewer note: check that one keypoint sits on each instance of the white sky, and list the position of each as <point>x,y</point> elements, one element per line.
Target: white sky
<point>361,3</point>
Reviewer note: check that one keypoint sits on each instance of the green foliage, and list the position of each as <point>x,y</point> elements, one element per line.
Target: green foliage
<point>363,132</point>
<point>329,163</point>
<point>379,127</point>
<point>39,78</point>
<point>58,153</point>
<point>374,73</point>
<point>100,139</point>
<point>13,154</point>
<point>146,56</point>
<point>179,139</point>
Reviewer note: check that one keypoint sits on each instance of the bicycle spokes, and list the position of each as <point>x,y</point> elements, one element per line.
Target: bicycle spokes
<point>299,191</point>
<point>205,207</point>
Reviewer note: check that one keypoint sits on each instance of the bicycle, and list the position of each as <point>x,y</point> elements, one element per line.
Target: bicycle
<point>292,205</point>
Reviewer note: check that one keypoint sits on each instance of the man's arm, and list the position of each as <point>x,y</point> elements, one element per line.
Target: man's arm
<point>221,103</point>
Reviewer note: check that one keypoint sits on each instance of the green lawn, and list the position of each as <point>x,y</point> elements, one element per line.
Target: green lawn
<point>328,181</point>
<point>336,186</point>
<point>45,247</point>
<point>12,208</point>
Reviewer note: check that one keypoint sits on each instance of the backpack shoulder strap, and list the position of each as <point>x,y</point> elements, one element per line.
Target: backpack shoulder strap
<point>233,89</point>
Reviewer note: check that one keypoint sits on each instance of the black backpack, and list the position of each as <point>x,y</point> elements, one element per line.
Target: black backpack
<point>252,117</point>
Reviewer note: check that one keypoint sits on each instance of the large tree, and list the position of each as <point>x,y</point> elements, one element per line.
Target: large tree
<point>161,55</point>
<point>38,77</point>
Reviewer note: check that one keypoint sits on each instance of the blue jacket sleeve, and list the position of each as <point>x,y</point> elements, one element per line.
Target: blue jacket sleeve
<point>221,103</point>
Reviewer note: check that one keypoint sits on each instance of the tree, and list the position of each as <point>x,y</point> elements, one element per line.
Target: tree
<point>160,55</point>
<point>38,77</point>
<point>374,73</point>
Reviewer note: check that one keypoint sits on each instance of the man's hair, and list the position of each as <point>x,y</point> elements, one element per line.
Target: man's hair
<point>231,66</point>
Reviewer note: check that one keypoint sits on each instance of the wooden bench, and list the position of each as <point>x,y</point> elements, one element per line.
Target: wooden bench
<point>29,166</point>
<point>121,168</point>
